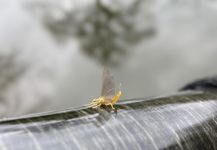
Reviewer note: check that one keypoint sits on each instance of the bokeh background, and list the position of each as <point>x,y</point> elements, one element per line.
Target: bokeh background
<point>52,52</point>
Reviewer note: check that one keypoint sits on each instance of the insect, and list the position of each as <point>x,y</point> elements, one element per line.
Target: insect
<point>108,96</point>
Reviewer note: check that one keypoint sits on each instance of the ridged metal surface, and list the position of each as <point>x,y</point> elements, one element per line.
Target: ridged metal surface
<point>183,121</point>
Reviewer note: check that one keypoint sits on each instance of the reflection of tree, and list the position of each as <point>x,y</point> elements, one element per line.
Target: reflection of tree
<point>11,71</point>
<point>103,30</point>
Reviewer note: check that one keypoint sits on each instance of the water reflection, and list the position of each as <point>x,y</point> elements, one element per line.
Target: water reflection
<point>105,30</point>
<point>170,43</point>
<point>12,69</point>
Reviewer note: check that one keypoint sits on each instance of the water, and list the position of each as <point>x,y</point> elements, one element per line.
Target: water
<point>155,48</point>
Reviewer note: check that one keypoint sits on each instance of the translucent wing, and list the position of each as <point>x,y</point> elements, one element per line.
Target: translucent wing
<point>108,84</point>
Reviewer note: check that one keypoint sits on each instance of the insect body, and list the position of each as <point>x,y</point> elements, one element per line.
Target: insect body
<point>108,96</point>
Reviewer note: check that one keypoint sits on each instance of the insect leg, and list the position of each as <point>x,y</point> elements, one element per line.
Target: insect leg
<point>91,104</point>
<point>97,105</point>
<point>112,106</point>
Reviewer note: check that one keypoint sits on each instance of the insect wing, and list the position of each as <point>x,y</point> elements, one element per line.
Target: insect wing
<point>108,84</point>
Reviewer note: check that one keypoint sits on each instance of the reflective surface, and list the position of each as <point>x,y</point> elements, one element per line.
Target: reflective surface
<point>157,45</point>
<point>183,121</point>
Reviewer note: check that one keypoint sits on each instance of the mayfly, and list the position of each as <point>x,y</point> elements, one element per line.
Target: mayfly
<point>108,96</point>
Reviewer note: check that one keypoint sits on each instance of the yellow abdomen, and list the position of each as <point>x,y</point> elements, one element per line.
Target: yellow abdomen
<point>116,98</point>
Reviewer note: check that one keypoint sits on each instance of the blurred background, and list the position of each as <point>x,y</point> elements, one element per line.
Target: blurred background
<point>52,52</point>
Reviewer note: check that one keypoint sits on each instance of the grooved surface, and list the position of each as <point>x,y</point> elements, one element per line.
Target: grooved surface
<point>184,121</point>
